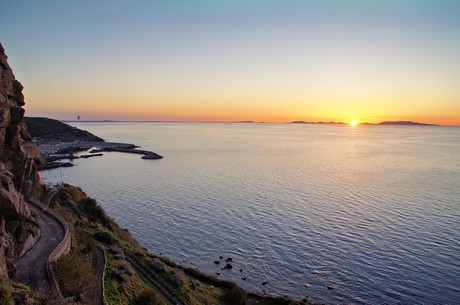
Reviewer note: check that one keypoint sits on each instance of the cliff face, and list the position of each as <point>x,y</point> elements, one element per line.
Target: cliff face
<point>18,172</point>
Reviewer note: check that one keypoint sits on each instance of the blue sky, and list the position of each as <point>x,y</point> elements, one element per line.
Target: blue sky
<point>270,60</point>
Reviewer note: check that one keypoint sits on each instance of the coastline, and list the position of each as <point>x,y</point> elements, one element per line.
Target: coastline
<point>190,285</point>
<point>54,152</point>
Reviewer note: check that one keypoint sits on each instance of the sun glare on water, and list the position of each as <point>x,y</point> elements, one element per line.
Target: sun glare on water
<point>353,122</point>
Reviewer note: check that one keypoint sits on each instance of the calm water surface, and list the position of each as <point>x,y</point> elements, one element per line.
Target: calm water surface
<point>371,210</point>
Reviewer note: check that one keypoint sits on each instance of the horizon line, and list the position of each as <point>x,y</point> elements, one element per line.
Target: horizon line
<point>382,123</point>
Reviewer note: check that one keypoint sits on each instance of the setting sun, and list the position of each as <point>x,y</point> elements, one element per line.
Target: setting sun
<point>353,122</point>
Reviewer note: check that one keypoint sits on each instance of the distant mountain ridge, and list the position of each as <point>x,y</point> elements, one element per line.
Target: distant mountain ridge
<point>404,123</point>
<point>407,123</point>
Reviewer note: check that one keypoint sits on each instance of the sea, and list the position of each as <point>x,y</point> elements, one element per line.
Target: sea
<point>337,214</point>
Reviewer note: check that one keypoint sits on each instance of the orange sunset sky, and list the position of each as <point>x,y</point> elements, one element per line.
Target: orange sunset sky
<point>274,61</point>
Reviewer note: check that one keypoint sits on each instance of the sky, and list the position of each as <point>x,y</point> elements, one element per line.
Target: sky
<point>201,60</point>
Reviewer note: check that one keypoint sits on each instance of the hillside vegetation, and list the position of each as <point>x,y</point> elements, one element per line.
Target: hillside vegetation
<point>92,229</point>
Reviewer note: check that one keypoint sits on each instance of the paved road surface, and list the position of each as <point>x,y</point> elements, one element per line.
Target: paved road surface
<point>31,268</point>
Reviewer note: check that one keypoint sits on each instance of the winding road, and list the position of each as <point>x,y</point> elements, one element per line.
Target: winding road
<point>31,268</point>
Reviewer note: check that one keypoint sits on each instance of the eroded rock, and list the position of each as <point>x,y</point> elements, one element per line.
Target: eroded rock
<point>18,172</point>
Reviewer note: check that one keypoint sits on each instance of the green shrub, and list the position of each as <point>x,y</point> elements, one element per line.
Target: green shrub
<point>105,237</point>
<point>94,211</point>
<point>146,297</point>
<point>83,241</point>
<point>5,294</point>
<point>236,295</point>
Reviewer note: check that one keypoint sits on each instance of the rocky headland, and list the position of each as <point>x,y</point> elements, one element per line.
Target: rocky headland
<point>45,130</point>
<point>59,141</point>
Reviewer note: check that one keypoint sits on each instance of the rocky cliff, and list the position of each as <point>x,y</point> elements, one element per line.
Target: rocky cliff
<point>18,172</point>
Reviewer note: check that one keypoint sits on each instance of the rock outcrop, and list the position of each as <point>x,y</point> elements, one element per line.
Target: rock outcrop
<point>18,172</point>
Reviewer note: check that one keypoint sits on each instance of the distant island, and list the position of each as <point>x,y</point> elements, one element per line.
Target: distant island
<point>405,123</point>
<point>402,123</point>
